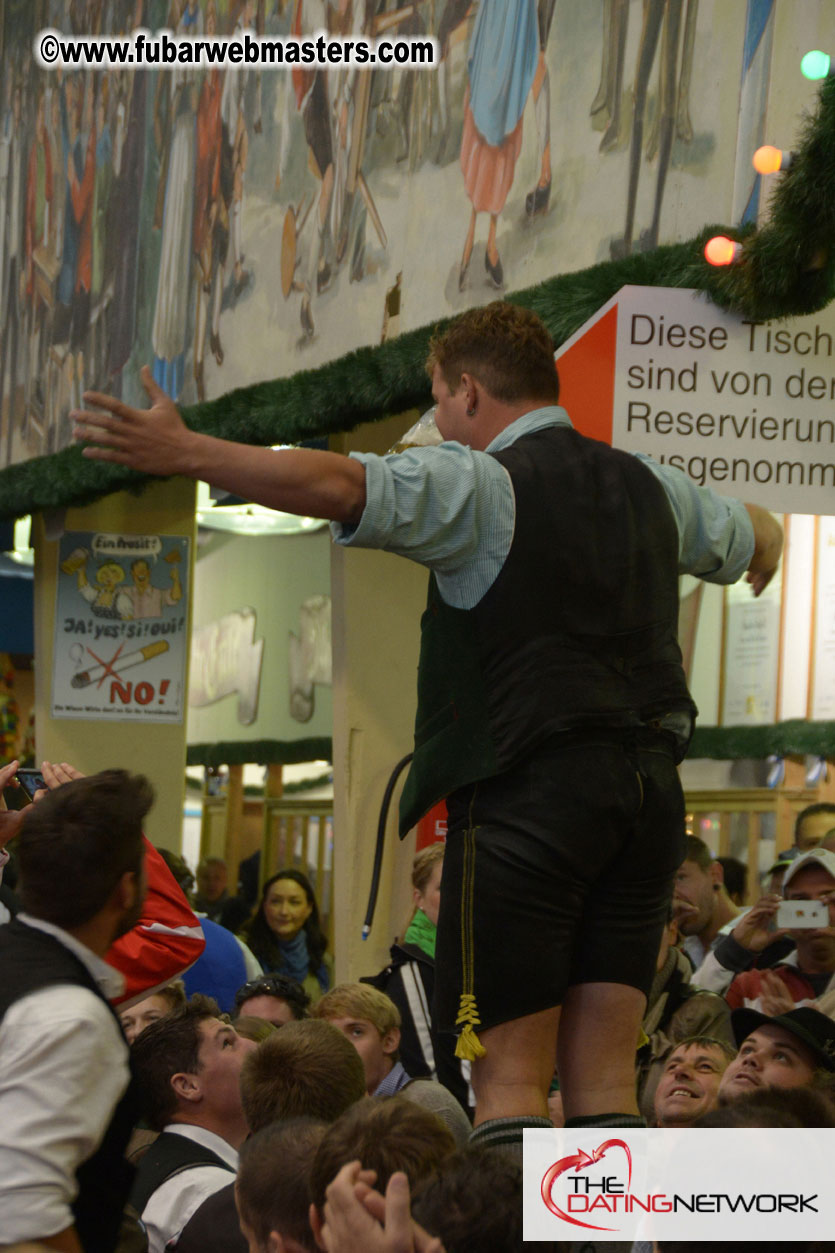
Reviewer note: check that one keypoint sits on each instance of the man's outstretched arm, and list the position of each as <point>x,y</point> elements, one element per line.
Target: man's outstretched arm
<point>157,441</point>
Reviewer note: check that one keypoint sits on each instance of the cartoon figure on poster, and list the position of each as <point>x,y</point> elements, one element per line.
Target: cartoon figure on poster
<point>120,640</point>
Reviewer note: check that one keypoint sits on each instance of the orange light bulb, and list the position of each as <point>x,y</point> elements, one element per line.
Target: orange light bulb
<point>768,160</point>
<point>722,251</point>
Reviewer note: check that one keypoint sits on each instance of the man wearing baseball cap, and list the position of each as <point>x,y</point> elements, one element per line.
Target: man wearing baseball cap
<point>781,1052</point>
<point>808,972</point>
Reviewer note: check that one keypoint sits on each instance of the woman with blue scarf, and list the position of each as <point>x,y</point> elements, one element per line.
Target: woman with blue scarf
<point>285,933</point>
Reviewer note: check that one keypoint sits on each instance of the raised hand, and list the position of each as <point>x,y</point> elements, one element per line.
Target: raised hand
<point>357,1217</point>
<point>57,773</point>
<point>154,440</point>
<point>10,819</point>
<point>775,997</point>
<point>755,930</point>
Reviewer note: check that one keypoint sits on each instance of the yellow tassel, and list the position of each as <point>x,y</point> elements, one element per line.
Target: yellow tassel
<point>643,1038</point>
<point>469,1047</point>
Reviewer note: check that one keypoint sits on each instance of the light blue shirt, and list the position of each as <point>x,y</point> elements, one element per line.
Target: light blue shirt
<point>391,1084</point>
<point>452,508</point>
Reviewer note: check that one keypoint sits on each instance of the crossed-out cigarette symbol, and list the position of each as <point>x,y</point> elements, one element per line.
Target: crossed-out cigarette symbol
<point>98,674</point>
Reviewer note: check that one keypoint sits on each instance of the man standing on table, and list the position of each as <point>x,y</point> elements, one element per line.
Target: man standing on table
<point>552,703</point>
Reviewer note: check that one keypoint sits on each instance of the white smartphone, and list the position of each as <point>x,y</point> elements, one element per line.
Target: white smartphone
<point>797,914</point>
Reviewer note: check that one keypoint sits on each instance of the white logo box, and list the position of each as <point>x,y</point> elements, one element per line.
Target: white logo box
<point>724,1184</point>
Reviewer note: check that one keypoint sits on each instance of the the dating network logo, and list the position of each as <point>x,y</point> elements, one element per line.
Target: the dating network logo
<point>675,1183</point>
<point>571,1178</point>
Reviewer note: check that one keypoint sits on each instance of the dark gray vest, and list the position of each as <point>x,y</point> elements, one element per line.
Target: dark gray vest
<point>578,632</point>
<point>168,1156</point>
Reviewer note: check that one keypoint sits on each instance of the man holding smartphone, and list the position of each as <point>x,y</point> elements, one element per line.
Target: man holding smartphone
<point>809,971</point>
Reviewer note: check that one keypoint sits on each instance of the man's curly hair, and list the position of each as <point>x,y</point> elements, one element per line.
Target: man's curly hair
<point>505,347</point>
<point>473,1201</point>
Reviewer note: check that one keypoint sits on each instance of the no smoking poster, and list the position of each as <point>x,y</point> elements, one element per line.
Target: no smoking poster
<point>120,630</point>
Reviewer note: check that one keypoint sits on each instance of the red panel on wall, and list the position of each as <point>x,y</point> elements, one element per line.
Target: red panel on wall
<point>587,377</point>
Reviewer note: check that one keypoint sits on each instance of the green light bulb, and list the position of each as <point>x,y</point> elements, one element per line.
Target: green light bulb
<point>815,65</point>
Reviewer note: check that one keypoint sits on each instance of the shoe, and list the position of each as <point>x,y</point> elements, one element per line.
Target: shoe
<point>403,139</point>
<point>495,272</point>
<point>610,137</point>
<point>323,277</point>
<point>443,144</point>
<point>216,348</point>
<point>358,260</point>
<point>684,127</point>
<point>537,200</point>
<point>306,317</point>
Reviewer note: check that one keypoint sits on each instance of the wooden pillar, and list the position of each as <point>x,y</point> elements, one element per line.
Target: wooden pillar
<point>234,821</point>
<point>378,600</point>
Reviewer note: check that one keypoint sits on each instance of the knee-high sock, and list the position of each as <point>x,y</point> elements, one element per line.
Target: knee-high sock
<point>237,250</point>
<point>607,1120</point>
<point>542,111</point>
<point>443,92</point>
<point>200,319</point>
<point>217,299</point>
<point>505,1134</point>
<point>313,258</point>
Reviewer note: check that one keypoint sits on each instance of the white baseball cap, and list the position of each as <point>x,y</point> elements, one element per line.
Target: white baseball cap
<point>815,856</point>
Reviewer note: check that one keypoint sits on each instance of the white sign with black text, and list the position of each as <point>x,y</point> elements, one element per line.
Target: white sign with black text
<point>746,408</point>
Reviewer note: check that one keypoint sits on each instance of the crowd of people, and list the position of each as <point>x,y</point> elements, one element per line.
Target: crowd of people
<point>321,1116</point>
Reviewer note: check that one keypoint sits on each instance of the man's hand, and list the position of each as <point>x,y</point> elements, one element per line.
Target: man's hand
<point>768,545</point>
<point>358,1218</point>
<point>683,911</point>
<point>154,440</point>
<point>305,481</point>
<point>10,819</point>
<point>754,930</point>
<point>775,997</point>
<point>55,774</point>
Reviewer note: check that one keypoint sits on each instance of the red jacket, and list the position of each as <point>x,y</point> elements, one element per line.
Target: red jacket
<point>167,939</point>
<point>746,989</point>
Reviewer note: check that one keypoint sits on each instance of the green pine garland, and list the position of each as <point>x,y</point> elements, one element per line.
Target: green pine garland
<point>774,278</point>
<point>288,789</point>
<point>792,738</point>
<point>261,752</point>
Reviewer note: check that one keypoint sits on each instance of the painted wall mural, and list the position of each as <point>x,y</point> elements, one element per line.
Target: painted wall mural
<point>227,225</point>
